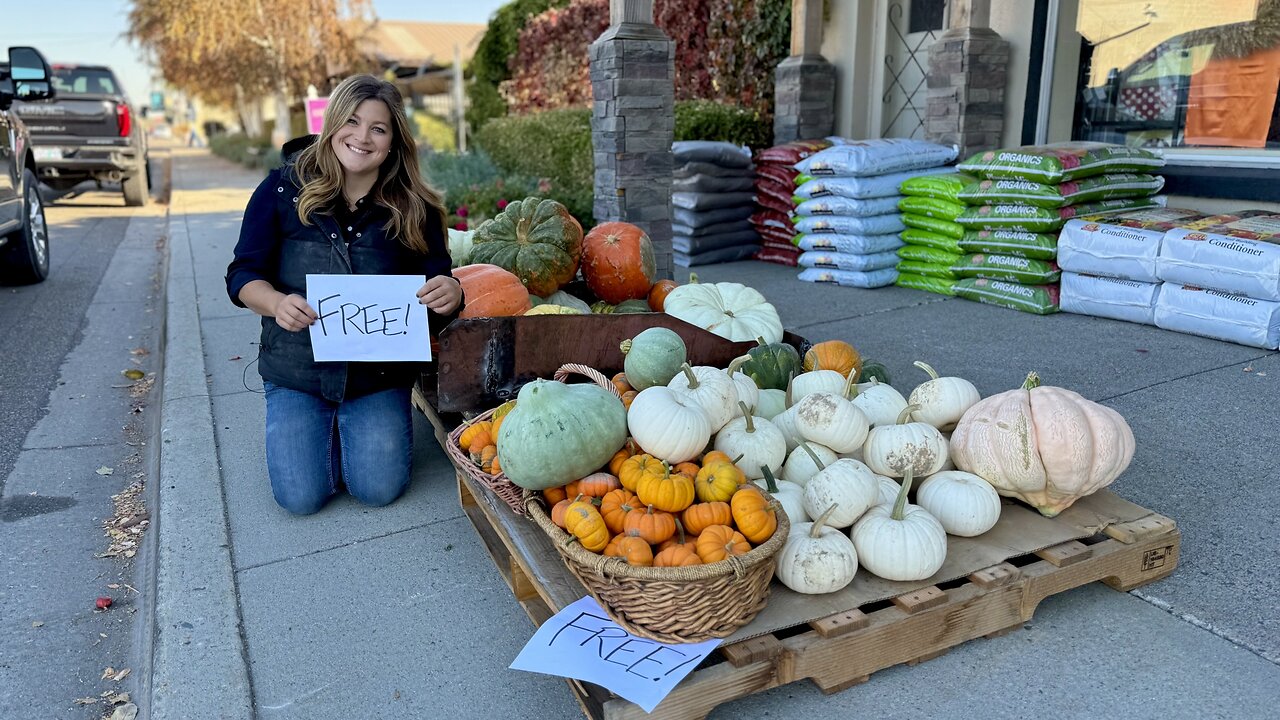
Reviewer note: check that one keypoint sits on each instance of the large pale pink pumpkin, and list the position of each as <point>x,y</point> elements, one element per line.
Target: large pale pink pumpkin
<point>1043,445</point>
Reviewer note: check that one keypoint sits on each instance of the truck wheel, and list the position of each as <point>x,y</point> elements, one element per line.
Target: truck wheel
<point>135,188</point>
<point>25,258</point>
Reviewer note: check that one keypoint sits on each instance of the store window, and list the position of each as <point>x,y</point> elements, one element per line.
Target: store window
<point>1198,77</point>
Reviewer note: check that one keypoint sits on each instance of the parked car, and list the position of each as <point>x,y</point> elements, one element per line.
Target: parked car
<point>88,133</point>
<point>24,235</point>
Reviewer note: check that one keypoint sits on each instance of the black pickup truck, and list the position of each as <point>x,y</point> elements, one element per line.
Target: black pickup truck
<point>24,236</point>
<point>89,132</point>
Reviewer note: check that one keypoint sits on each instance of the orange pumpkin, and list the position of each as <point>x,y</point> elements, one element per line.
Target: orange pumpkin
<point>671,492</point>
<point>468,436</point>
<point>686,468</point>
<point>490,291</point>
<point>583,521</point>
<point>553,495</point>
<point>835,355</point>
<point>559,509</point>
<point>659,292</point>
<point>676,556</point>
<point>680,538</point>
<point>717,481</point>
<point>638,466</point>
<point>715,456</point>
<point>628,397</point>
<point>488,459</point>
<point>499,414</point>
<point>614,507</point>
<point>618,262</point>
<point>654,526</point>
<point>719,542</point>
<point>632,548</point>
<point>597,484</point>
<point>700,516</point>
<point>753,514</point>
<point>494,468</point>
<point>620,382</point>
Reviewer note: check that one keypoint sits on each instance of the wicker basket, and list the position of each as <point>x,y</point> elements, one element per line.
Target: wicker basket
<point>510,493</point>
<point>673,605</point>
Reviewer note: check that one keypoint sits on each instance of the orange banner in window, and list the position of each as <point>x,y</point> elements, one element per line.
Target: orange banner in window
<point>1232,100</point>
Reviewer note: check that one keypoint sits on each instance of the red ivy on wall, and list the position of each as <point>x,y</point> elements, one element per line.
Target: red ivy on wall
<point>726,50</point>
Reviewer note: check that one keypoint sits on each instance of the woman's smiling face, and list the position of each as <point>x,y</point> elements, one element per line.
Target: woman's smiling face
<point>361,144</point>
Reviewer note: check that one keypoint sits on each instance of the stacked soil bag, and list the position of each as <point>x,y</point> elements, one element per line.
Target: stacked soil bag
<point>931,239</point>
<point>1109,263</point>
<point>1222,278</point>
<point>1019,202</point>
<point>712,196</point>
<point>846,207</point>
<point>775,185</point>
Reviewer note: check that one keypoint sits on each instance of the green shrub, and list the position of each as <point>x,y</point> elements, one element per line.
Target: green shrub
<point>474,189</point>
<point>706,120</point>
<point>250,152</point>
<point>554,146</point>
<point>434,133</point>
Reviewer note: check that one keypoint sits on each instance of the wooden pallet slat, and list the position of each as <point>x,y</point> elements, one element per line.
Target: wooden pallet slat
<point>1067,553</point>
<point>756,649</point>
<point>841,623</point>
<point>922,599</point>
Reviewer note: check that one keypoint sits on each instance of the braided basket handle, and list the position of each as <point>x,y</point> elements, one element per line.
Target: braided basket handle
<point>596,376</point>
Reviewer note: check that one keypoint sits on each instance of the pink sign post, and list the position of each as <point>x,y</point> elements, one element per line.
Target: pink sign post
<point>315,114</point>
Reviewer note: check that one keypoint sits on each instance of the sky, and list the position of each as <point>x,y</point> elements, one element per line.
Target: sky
<point>91,31</point>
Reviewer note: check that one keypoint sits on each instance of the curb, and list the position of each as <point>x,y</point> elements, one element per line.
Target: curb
<point>200,669</point>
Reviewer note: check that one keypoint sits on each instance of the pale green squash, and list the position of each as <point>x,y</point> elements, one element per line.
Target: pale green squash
<point>558,433</point>
<point>653,357</point>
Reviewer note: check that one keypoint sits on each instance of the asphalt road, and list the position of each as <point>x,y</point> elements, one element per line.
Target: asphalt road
<point>74,437</point>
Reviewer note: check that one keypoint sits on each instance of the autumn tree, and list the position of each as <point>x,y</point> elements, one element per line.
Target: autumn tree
<point>236,52</point>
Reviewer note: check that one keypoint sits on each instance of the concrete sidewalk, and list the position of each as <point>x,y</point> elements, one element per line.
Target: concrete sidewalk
<point>399,612</point>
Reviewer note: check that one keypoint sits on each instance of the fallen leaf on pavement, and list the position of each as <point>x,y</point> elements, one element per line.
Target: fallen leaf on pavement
<point>104,470</point>
<point>37,623</point>
<point>1262,374</point>
<point>139,351</point>
<point>134,374</point>
<point>234,357</point>
<point>114,586</point>
<point>117,699</point>
<point>107,673</point>
<point>128,711</point>
<point>86,700</point>
<point>1249,369</point>
<point>121,675</point>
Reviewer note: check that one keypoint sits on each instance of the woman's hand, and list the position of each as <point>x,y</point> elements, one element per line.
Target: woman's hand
<point>441,293</point>
<point>293,313</point>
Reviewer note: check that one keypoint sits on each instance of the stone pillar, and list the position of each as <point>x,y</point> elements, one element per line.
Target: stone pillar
<point>633,124</point>
<point>968,73</point>
<point>805,83</point>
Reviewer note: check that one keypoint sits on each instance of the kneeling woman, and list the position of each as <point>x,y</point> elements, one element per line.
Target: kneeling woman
<point>351,202</point>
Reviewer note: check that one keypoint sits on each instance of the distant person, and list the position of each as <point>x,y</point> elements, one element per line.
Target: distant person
<point>352,202</point>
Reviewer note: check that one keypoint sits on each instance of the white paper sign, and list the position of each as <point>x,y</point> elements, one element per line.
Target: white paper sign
<point>368,318</point>
<point>581,642</point>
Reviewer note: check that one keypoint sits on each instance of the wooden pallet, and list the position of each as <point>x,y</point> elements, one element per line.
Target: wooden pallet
<point>844,649</point>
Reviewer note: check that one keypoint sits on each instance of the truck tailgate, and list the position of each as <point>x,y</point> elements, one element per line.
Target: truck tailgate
<point>72,116</point>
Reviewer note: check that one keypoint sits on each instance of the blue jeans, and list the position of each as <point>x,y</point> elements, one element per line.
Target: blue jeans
<point>312,444</point>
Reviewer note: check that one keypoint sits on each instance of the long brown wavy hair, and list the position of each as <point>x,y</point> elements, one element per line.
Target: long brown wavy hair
<point>400,187</point>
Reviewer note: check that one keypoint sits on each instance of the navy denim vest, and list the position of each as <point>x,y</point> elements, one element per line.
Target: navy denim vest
<point>285,357</point>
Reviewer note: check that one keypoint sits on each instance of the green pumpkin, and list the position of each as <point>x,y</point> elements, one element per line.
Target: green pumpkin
<point>558,433</point>
<point>771,364</point>
<point>653,357</point>
<point>537,240</point>
<point>563,298</point>
<point>874,370</point>
<point>600,307</point>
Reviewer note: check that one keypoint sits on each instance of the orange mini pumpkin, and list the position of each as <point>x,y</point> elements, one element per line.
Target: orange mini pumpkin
<point>835,355</point>
<point>632,548</point>
<point>654,526</point>
<point>676,556</point>
<point>717,482</point>
<point>583,521</point>
<point>638,466</point>
<point>473,431</point>
<point>753,513</point>
<point>671,492</point>
<point>598,484</point>
<point>700,516</point>
<point>553,495</point>
<point>614,507</point>
<point>659,292</point>
<point>719,542</point>
<point>620,382</point>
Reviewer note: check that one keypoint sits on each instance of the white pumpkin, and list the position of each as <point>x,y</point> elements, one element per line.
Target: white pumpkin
<point>832,421</point>
<point>893,449</point>
<point>785,421</point>
<point>770,403</point>
<point>730,310</point>
<point>460,244</point>
<point>748,391</point>
<point>847,484</point>
<point>755,442</point>
<point>900,542</point>
<point>668,424</point>
<point>855,454</point>
<point>964,503</point>
<point>942,400</point>
<point>817,558</point>
<point>888,490</point>
<point>711,389</point>
<point>788,494</point>
<point>805,461</point>
<point>814,381</point>
<point>880,402</point>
